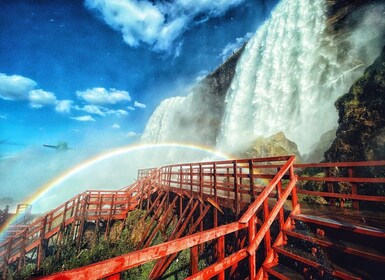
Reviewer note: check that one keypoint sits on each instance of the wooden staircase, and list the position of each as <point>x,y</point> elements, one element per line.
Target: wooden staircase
<point>323,248</point>
<point>273,234</point>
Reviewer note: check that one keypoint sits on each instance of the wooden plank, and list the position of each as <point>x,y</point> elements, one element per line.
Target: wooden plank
<point>366,230</point>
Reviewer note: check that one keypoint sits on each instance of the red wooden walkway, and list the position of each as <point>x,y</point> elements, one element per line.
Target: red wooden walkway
<point>268,221</point>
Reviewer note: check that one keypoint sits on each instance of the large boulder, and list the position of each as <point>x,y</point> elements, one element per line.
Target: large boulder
<point>274,145</point>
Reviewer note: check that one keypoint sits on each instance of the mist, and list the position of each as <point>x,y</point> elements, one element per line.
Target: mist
<point>66,174</point>
<point>192,116</point>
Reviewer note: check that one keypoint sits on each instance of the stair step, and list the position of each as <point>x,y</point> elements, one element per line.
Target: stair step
<point>341,245</point>
<point>282,272</point>
<point>311,260</point>
<point>366,230</point>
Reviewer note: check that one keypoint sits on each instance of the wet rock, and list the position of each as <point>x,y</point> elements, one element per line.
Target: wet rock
<point>275,145</point>
<point>361,132</point>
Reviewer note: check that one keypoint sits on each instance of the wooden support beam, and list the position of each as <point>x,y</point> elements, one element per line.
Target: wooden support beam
<point>160,222</point>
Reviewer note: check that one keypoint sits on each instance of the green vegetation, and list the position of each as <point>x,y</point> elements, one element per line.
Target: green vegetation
<point>123,238</point>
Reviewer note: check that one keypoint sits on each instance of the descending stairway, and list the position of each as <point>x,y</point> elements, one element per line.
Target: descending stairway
<point>324,248</point>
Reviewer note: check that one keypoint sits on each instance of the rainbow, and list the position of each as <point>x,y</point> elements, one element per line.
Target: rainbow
<point>42,190</point>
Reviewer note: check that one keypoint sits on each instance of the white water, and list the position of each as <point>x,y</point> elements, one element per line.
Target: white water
<point>176,119</point>
<point>287,79</point>
<point>160,127</point>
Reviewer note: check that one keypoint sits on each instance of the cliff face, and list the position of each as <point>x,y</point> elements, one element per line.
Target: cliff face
<point>210,97</point>
<point>195,118</point>
<point>339,21</point>
<point>361,131</point>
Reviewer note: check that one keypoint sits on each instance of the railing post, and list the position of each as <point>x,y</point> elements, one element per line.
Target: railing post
<point>215,195</point>
<point>355,203</point>
<point>50,221</point>
<point>84,203</point>
<point>112,206</point>
<point>330,187</point>
<point>200,204</point>
<point>74,214</point>
<point>22,250</point>
<point>221,254</point>
<point>252,257</point>
<point>181,189</point>
<point>236,190</point>
<point>194,260</point>
<point>281,217</point>
<point>294,196</point>
<point>142,195</point>
<point>251,178</point>
<point>149,195</point>
<point>7,256</point>
<point>265,219</point>
<point>41,247</point>
<point>191,180</point>
<point>99,212</point>
<point>63,223</point>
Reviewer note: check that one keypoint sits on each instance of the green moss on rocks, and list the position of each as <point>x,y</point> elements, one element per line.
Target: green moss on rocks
<point>361,128</point>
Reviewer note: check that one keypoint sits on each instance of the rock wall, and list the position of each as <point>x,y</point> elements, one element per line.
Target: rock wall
<point>339,21</point>
<point>361,126</point>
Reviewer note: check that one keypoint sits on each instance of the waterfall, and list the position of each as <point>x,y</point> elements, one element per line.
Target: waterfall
<point>159,128</point>
<point>282,82</point>
<point>192,119</point>
<point>287,80</point>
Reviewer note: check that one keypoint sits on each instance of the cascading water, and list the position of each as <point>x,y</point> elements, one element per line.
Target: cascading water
<point>184,119</point>
<point>160,126</point>
<point>288,78</point>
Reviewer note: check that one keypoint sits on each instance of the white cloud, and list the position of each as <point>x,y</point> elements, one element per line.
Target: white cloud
<point>139,105</point>
<point>3,117</point>
<point>131,108</point>
<point>63,106</point>
<point>86,118</point>
<point>160,23</point>
<point>15,87</point>
<point>118,113</point>
<point>101,111</point>
<point>40,98</point>
<point>18,88</point>
<point>115,126</point>
<point>101,96</point>
<point>132,134</point>
<point>232,47</point>
<point>92,109</point>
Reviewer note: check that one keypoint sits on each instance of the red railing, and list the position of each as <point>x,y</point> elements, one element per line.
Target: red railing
<point>227,180</point>
<point>256,187</point>
<point>90,205</point>
<point>342,184</point>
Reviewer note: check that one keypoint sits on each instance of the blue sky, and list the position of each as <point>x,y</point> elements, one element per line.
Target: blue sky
<point>76,70</point>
